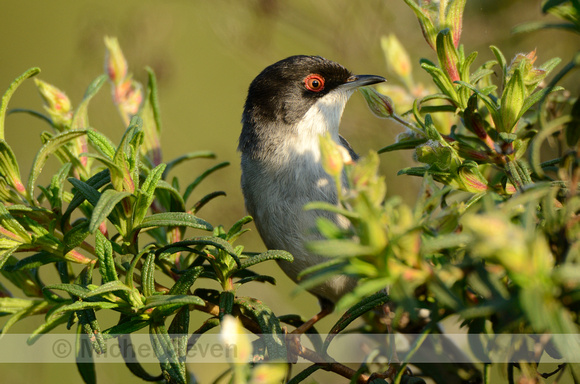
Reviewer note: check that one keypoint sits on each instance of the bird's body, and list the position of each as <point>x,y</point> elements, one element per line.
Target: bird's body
<point>289,105</point>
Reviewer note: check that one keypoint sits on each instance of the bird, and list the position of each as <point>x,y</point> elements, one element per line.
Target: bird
<point>288,106</point>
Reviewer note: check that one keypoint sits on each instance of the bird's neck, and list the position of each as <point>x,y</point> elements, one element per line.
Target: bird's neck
<point>301,142</point>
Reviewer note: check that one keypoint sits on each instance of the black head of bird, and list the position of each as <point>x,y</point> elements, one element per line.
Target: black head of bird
<point>289,105</point>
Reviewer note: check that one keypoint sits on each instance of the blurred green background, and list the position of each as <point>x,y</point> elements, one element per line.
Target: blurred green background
<point>205,53</point>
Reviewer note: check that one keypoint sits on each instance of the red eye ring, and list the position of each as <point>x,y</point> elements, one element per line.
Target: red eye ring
<point>314,83</point>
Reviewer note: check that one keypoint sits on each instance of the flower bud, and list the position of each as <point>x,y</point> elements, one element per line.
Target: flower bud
<point>471,178</point>
<point>380,105</point>
<point>57,103</point>
<point>115,63</point>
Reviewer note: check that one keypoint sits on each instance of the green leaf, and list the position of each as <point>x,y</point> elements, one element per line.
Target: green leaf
<point>237,227</point>
<point>269,325</point>
<point>403,144</point>
<point>268,255</point>
<point>81,305</point>
<point>86,369</point>
<point>36,307</point>
<point>75,237</point>
<point>331,208</point>
<point>188,156</point>
<point>10,224</point>
<point>52,145</point>
<point>355,312</point>
<point>104,251</point>
<point>184,283</point>
<point>101,143</point>
<point>175,197</point>
<point>146,194</point>
<point>491,105</point>
<point>85,293</point>
<point>174,219</point>
<point>512,101</point>
<point>534,98</point>
<point>501,60</point>
<point>440,79</point>
<point>173,369</point>
<point>80,118</point>
<point>47,326</point>
<point>205,241</point>
<point>538,25</point>
<point>173,301</point>
<point>31,262</point>
<point>226,303</point>
<point>427,26</point>
<point>123,328</point>
<point>148,275</point>
<point>107,202</point>
<point>201,177</point>
<point>8,94</point>
<point>179,328</point>
<point>339,248</point>
<point>86,192</point>
<point>90,326</point>
<point>9,167</point>
<point>124,157</point>
<point>94,183</point>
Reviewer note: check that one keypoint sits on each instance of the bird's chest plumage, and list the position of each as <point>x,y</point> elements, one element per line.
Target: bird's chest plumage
<point>285,176</point>
<point>276,195</point>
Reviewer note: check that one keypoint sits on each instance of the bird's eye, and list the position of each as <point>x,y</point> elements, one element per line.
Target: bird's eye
<point>314,83</point>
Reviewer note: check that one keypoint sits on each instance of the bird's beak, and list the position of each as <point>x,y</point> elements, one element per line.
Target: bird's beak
<point>357,81</point>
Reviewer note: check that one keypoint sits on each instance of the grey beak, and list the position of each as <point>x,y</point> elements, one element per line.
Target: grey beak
<point>357,81</point>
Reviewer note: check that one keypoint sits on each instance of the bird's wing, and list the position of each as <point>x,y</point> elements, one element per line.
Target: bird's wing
<point>351,151</point>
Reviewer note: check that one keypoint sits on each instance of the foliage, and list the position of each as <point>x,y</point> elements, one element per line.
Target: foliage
<point>494,236</point>
<point>95,213</point>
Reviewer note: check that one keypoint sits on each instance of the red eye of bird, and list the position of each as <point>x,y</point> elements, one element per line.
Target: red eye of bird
<point>314,83</point>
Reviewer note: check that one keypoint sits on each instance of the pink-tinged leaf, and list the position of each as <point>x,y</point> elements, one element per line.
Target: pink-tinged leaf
<point>425,21</point>
<point>454,19</point>
<point>447,55</point>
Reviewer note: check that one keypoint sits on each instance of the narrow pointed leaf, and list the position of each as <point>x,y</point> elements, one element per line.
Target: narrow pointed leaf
<point>80,118</point>
<point>268,323</point>
<point>148,276</point>
<point>10,224</point>
<point>9,167</point>
<point>173,369</point>
<point>146,193</point>
<point>8,94</point>
<point>75,237</point>
<point>268,255</point>
<point>107,202</point>
<point>182,286</point>
<point>174,219</point>
<point>52,145</point>
<point>101,143</point>
<point>172,300</point>
<point>201,177</point>
<point>104,251</point>
<point>188,156</point>
<point>94,183</point>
